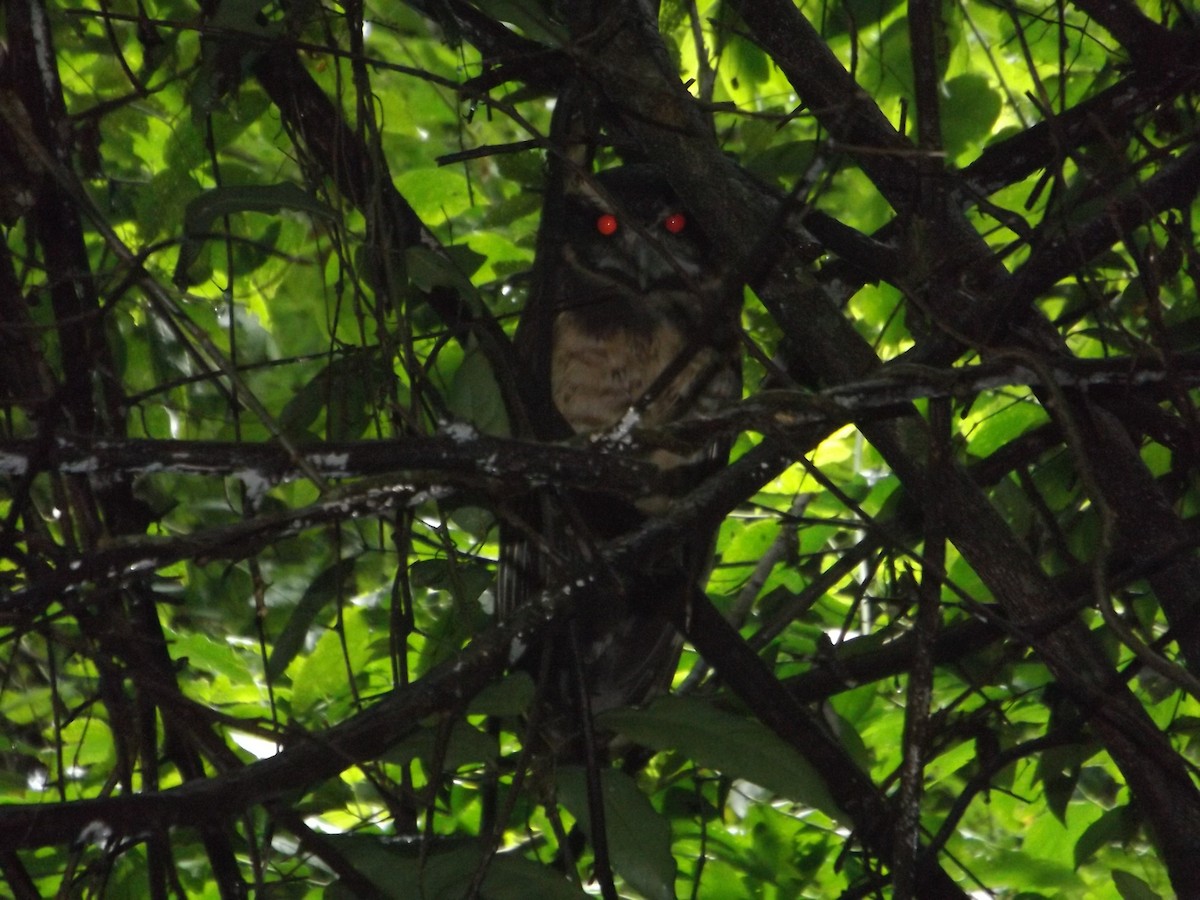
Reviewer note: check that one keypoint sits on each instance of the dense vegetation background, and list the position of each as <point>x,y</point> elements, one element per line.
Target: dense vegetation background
<point>261,265</point>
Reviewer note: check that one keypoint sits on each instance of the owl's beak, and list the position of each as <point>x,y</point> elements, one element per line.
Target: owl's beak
<point>653,265</point>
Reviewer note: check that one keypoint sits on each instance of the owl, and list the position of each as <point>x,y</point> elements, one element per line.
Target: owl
<point>636,329</point>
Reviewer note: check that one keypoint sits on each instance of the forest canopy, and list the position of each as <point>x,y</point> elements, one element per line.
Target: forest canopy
<point>263,419</point>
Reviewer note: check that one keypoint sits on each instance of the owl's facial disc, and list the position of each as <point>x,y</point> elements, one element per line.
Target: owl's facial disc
<point>627,232</point>
<point>643,241</point>
<point>644,259</point>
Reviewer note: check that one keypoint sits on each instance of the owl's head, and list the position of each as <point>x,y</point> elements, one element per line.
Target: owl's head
<point>628,226</point>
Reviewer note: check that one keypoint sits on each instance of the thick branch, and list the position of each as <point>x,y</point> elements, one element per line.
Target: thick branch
<point>1061,249</point>
<point>464,458</point>
<point>1108,115</point>
<point>445,689</point>
<point>1149,43</point>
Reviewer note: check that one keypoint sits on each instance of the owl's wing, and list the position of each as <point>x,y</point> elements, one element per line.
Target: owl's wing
<point>619,640</point>
<point>628,648</point>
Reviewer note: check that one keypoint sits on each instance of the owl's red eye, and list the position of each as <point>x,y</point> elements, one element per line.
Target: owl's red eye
<point>607,224</point>
<point>675,223</point>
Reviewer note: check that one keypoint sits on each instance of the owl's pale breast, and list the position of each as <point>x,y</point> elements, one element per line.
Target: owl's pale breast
<point>599,374</point>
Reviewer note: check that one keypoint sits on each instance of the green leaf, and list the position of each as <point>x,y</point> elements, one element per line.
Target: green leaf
<point>398,869</point>
<point>1117,825</point>
<point>466,744</point>
<point>531,16</point>
<point>733,745</point>
<point>242,36</point>
<point>458,614</point>
<point>428,269</point>
<point>202,212</point>
<point>251,255</point>
<point>501,256</point>
<point>345,390</point>
<point>1003,426</point>
<point>970,107</point>
<point>861,14</point>
<point>322,675</point>
<point>205,655</point>
<point>512,209</point>
<point>330,584</point>
<point>751,542</point>
<point>436,194</point>
<point>888,69</point>
<point>784,162</point>
<point>1058,769</point>
<point>639,839</point>
<point>1130,887</point>
<point>474,395</point>
<point>508,697</point>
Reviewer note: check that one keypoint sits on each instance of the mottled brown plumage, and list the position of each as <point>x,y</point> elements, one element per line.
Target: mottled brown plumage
<point>639,333</point>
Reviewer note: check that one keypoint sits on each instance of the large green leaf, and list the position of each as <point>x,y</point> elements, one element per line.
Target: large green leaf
<point>639,838</point>
<point>330,585</point>
<point>1118,825</point>
<point>731,744</point>
<point>969,109</point>
<point>474,395</point>
<point>402,871</point>
<point>344,391</point>
<point>203,212</point>
<point>1133,888</point>
<point>321,676</point>
<point>466,744</point>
